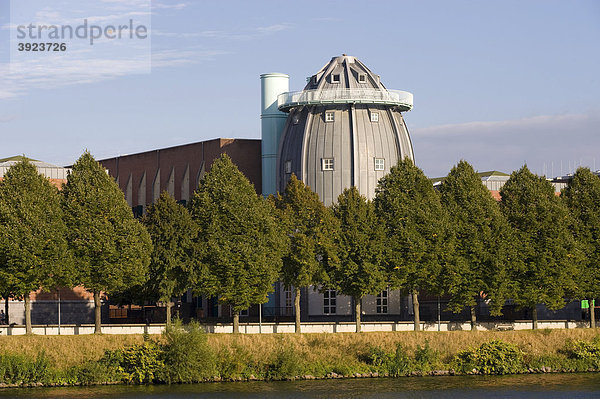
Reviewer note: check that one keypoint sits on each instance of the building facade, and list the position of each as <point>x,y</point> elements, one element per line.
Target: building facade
<point>178,170</point>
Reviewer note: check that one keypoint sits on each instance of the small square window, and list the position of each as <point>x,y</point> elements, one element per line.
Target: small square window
<point>329,302</point>
<point>295,119</point>
<point>326,163</point>
<point>329,116</point>
<point>362,78</point>
<point>335,78</point>
<point>379,164</point>
<point>374,116</point>
<point>382,302</point>
<point>288,167</point>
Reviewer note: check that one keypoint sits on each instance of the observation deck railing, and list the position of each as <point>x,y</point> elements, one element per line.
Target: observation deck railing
<point>401,99</point>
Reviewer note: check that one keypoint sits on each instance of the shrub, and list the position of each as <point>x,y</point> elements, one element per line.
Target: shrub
<point>586,352</point>
<point>287,363</point>
<point>400,363</point>
<point>140,364</point>
<point>395,364</point>
<point>494,357</point>
<point>376,357</point>
<point>426,359</point>
<point>22,369</point>
<point>186,354</point>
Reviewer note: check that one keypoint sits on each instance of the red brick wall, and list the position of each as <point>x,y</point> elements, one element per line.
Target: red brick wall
<point>245,153</point>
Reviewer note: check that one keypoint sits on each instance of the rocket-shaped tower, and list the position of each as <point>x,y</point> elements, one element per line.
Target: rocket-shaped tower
<point>344,129</point>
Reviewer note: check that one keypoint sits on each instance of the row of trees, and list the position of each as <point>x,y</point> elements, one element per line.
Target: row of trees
<point>83,235</point>
<point>532,247</point>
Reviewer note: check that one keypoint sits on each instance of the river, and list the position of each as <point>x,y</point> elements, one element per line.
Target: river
<point>546,386</point>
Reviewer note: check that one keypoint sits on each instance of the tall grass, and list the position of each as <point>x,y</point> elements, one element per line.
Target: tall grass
<point>186,354</point>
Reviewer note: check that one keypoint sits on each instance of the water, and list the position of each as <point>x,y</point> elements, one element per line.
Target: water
<point>546,386</point>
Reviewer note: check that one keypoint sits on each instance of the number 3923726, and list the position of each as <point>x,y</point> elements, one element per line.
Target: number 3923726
<point>39,47</point>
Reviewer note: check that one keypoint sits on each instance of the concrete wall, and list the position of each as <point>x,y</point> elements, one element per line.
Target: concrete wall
<point>271,328</point>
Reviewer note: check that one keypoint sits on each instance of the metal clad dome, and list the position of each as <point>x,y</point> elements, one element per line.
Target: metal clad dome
<point>344,129</point>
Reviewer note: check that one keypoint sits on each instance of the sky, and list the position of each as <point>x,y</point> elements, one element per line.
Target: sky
<point>498,84</point>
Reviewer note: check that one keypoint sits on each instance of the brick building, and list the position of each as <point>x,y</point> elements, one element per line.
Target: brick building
<point>177,170</point>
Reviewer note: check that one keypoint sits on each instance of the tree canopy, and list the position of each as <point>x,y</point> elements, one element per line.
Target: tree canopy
<point>546,268</point>
<point>33,247</point>
<point>310,229</point>
<point>582,197</point>
<point>483,247</point>
<point>243,243</point>
<point>111,248</point>
<point>361,241</point>
<point>173,233</point>
<point>416,226</point>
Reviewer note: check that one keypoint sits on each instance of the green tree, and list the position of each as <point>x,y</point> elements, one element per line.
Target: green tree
<point>483,246</point>
<point>310,229</point>
<point>33,247</point>
<point>545,269</point>
<point>172,231</point>
<point>416,226</point>
<point>361,270</point>
<point>111,248</point>
<point>242,241</point>
<point>582,197</point>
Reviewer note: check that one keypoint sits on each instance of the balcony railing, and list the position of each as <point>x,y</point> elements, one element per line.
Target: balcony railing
<point>401,99</point>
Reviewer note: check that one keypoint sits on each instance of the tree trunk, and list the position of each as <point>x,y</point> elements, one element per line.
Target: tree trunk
<point>357,311</point>
<point>236,322</point>
<point>592,313</point>
<point>6,311</point>
<point>169,305</point>
<point>28,329</point>
<point>534,317</point>
<point>473,319</point>
<point>97,313</point>
<point>415,299</point>
<point>297,310</point>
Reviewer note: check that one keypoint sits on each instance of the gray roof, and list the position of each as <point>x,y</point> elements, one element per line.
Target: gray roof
<point>47,169</point>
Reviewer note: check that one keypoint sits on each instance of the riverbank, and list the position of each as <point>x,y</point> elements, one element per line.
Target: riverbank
<point>523,386</point>
<point>197,357</point>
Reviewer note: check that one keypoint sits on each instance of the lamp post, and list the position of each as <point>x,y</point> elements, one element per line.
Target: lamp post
<point>439,315</point>
<point>260,318</point>
<point>58,291</point>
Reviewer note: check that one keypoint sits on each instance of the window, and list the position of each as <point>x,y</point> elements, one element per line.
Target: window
<point>329,302</point>
<point>295,119</point>
<point>382,302</point>
<point>288,301</point>
<point>335,78</point>
<point>244,312</point>
<point>288,167</point>
<point>379,164</point>
<point>326,163</point>
<point>374,116</point>
<point>329,116</point>
<point>362,78</point>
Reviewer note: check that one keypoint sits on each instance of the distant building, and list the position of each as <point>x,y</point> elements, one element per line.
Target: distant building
<point>56,174</point>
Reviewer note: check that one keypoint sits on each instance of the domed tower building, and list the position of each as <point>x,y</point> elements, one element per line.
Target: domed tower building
<point>344,129</point>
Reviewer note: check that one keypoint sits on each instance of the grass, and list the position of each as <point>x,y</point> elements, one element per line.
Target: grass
<point>341,349</point>
<point>65,351</point>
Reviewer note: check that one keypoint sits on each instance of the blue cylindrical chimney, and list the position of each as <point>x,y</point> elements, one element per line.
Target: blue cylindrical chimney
<point>272,124</point>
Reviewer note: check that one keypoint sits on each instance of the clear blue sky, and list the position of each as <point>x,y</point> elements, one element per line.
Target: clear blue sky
<point>495,83</point>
